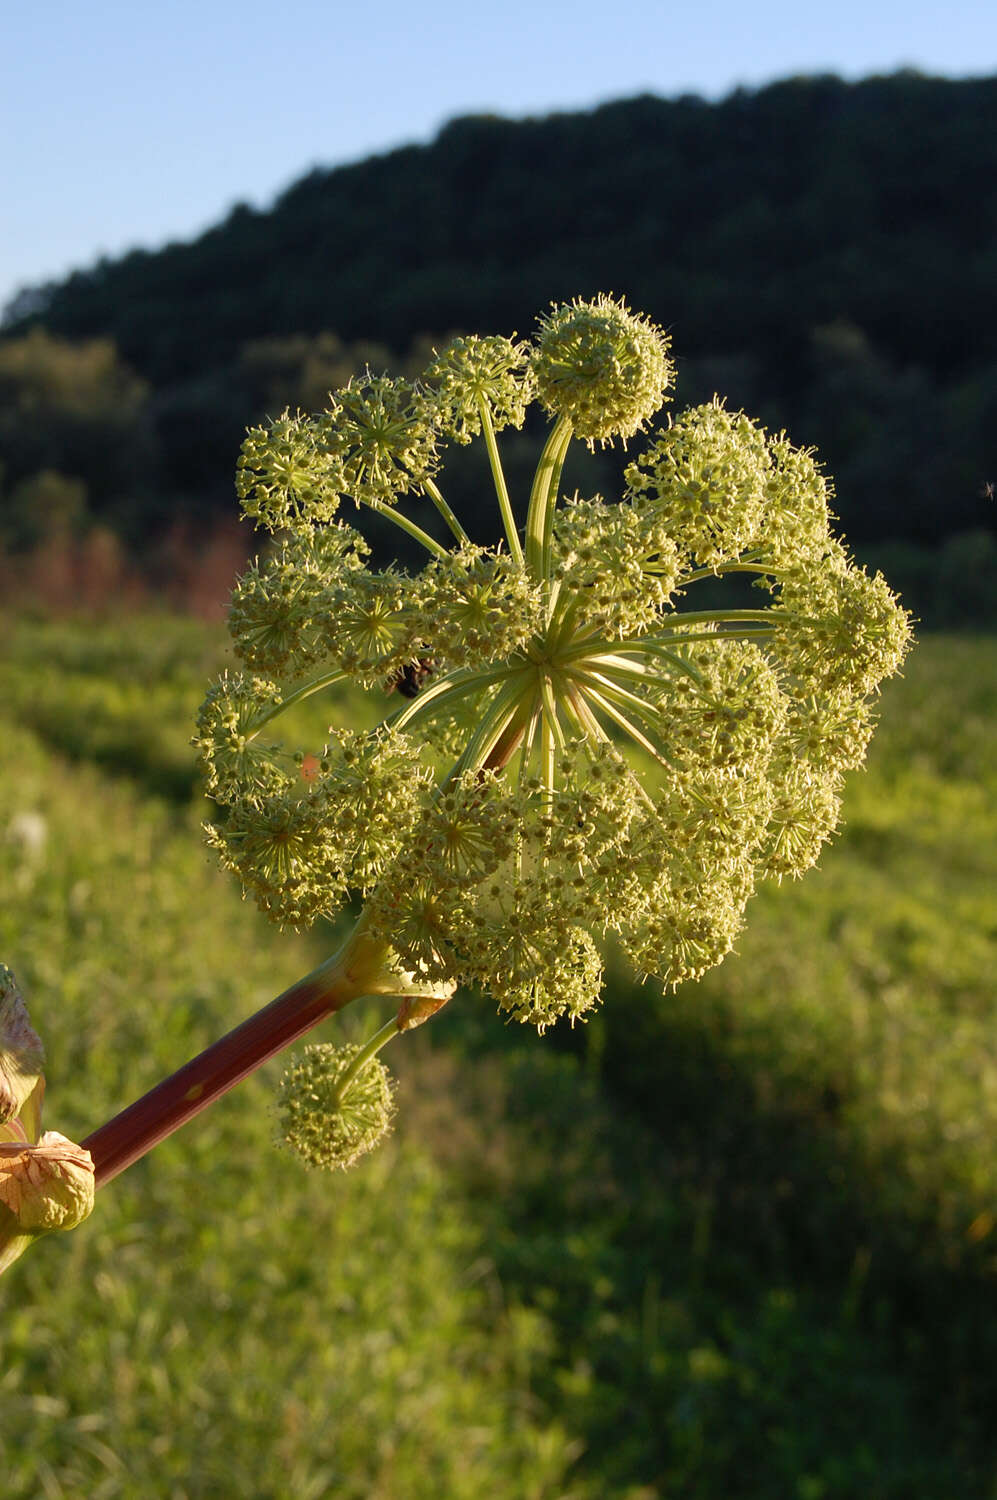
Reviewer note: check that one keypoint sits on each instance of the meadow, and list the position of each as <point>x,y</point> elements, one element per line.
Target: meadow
<point>736,1241</point>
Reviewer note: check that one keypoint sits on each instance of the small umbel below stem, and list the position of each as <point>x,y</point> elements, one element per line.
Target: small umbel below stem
<point>360,968</point>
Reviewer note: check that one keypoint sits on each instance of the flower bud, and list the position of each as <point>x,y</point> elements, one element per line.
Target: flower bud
<point>22,1056</point>
<point>415,1010</point>
<point>49,1185</point>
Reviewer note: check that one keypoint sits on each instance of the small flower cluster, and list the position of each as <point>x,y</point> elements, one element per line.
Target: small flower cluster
<point>622,567</point>
<point>287,475</point>
<point>624,764</point>
<point>300,846</point>
<point>603,368</point>
<point>330,1112</point>
<point>281,606</point>
<point>472,374</point>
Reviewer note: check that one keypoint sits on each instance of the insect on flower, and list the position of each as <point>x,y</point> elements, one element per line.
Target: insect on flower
<point>409,679</point>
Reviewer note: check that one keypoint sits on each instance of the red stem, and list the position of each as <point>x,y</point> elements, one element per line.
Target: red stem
<point>181,1096</point>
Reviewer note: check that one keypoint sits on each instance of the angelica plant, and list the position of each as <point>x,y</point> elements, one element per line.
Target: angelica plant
<point>571,748</point>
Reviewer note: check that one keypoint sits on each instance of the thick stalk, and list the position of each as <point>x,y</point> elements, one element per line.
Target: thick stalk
<point>622,722</point>
<point>505,710</point>
<point>505,746</point>
<point>14,1242</point>
<point>734,567</point>
<point>541,513</point>
<point>370,1049</point>
<point>326,679</point>
<point>413,530</point>
<point>450,689</point>
<point>682,618</point>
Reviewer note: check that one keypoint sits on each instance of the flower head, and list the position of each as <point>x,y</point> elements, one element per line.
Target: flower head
<point>380,433</point>
<point>280,605</point>
<point>704,479</point>
<point>472,374</point>
<point>286,475</point>
<point>573,744</point>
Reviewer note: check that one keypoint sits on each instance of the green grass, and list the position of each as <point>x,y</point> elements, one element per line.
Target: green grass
<point>739,1241</point>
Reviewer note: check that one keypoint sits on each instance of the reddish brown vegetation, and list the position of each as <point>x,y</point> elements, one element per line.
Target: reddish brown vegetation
<point>94,575</point>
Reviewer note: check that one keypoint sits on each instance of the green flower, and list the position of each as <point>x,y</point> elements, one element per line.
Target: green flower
<point>286,475</point>
<point>477,606</point>
<point>705,479</point>
<point>379,431</point>
<point>572,746</point>
<point>332,1113</point>
<point>278,605</point>
<point>601,367</point>
<point>479,379</point>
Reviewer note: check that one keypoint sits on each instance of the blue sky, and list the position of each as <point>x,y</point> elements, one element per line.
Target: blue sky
<point>126,124</point>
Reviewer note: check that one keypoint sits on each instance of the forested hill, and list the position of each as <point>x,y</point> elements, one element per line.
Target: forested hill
<point>740,225</point>
<point>824,253</point>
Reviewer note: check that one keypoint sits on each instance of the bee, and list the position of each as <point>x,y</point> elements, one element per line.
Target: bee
<point>409,679</point>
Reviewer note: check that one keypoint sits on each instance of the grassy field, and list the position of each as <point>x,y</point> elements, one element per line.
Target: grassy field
<point>739,1241</point>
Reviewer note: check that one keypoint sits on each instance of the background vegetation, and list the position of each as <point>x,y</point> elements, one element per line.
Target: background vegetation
<point>735,1241</point>
<point>824,254</point>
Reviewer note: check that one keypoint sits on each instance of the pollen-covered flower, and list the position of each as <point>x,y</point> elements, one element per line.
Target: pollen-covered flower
<point>602,367</point>
<point>370,625</point>
<point>300,846</point>
<point>475,375</point>
<point>478,606</point>
<point>688,928</point>
<point>620,566</point>
<point>380,433</point>
<point>546,972</point>
<point>727,710</point>
<point>573,746</point>
<point>842,629</point>
<point>280,606</point>
<point>805,810</point>
<point>704,478</point>
<point>287,476</point>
